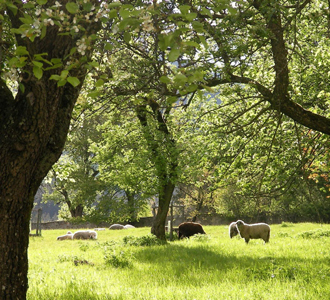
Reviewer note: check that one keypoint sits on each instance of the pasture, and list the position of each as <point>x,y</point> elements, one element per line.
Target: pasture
<point>129,264</point>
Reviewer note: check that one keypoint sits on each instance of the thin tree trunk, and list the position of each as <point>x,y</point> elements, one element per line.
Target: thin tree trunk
<point>158,226</point>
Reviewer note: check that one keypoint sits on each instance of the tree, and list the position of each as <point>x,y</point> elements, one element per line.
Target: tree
<point>74,178</point>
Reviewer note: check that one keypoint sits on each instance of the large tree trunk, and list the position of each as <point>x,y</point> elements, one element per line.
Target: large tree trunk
<point>77,211</point>
<point>33,130</point>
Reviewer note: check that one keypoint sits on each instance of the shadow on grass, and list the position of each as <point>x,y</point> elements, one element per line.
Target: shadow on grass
<point>202,264</point>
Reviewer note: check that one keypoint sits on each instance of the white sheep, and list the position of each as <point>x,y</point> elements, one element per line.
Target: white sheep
<point>232,229</point>
<point>85,235</point>
<point>128,226</point>
<point>67,236</point>
<point>116,226</point>
<point>253,231</point>
<point>99,229</point>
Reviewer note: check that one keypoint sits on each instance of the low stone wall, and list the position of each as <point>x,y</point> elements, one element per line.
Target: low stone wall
<point>147,222</point>
<point>67,225</point>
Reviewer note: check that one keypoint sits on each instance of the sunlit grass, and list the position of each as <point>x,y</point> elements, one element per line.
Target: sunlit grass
<point>291,266</point>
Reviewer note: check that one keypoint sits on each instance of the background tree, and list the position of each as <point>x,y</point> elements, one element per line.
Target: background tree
<point>74,179</point>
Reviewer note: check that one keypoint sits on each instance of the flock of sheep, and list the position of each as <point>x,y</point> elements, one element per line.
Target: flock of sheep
<point>89,234</point>
<point>186,229</point>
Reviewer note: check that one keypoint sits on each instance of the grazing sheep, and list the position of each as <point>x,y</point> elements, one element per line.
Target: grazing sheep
<point>99,229</point>
<point>128,226</point>
<point>85,235</point>
<point>232,229</point>
<point>116,226</point>
<point>67,236</point>
<point>253,231</point>
<point>187,229</point>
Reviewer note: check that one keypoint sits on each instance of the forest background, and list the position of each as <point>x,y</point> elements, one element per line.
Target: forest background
<point>230,152</point>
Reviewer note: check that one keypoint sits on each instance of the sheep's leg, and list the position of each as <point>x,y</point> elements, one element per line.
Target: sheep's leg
<point>247,240</point>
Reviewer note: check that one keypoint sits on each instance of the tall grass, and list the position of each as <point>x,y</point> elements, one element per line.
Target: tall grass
<point>130,264</point>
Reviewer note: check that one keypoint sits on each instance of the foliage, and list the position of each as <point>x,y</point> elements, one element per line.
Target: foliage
<point>147,240</point>
<point>118,259</point>
<point>314,234</point>
<point>74,179</point>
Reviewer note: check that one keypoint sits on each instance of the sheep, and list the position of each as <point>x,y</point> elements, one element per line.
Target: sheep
<point>232,229</point>
<point>253,231</point>
<point>67,236</point>
<point>116,226</point>
<point>187,229</point>
<point>128,226</point>
<point>99,229</point>
<point>85,235</point>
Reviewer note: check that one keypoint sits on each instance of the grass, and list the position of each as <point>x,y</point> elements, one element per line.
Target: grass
<point>129,264</point>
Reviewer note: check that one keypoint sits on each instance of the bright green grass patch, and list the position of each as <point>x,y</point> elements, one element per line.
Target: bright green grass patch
<point>131,264</point>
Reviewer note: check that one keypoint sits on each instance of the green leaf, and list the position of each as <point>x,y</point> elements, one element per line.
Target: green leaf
<point>174,54</point>
<point>72,7</point>
<point>171,99</point>
<point>114,4</point>
<point>37,72</point>
<point>27,19</point>
<point>232,10</point>
<point>43,32</point>
<point>184,9</point>
<point>99,83</point>
<point>37,64</point>
<point>87,6</point>
<point>64,74</point>
<point>42,2</point>
<point>94,64</point>
<point>21,87</point>
<point>61,82</point>
<point>55,77</point>
<point>206,12</point>
<point>165,79</point>
<point>74,81</point>
<point>94,94</point>
<point>198,26</point>
<point>21,50</point>
<point>180,79</point>
<point>56,61</point>
<point>124,13</point>
<point>191,16</point>
<point>12,7</point>
<point>127,37</point>
<point>108,46</point>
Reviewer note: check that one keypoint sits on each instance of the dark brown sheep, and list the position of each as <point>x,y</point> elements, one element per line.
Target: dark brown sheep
<point>187,229</point>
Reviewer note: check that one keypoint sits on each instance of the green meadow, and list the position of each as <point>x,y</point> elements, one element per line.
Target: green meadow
<point>132,264</point>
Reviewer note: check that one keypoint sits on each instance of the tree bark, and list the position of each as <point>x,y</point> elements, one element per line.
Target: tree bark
<point>158,225</point>
<point>33,130</point>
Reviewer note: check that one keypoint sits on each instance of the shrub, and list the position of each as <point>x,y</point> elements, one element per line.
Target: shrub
<point>314,234</point>
<point>200,237</point>
<point>118,258</point>
<point>146,240</point>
